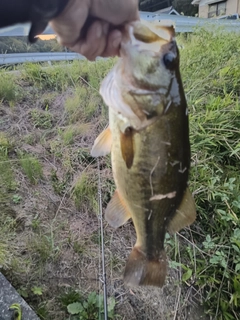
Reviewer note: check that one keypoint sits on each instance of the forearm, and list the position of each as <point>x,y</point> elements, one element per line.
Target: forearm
<point>38,12</point>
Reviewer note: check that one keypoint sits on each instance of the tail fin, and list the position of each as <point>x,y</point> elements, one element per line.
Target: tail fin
<point>140,271</point>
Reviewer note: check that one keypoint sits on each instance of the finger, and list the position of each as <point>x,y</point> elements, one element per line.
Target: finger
<point>113,44</point>
<point>115,11</point>
<point>69,24</point>
<point>95,42</point>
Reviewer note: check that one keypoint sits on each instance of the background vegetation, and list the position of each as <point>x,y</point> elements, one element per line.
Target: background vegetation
<point>21,45</point>
<point>49,239</point>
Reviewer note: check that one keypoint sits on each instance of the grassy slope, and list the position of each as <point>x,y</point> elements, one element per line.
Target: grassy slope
<point>211,74</point>
<point>48,202</point>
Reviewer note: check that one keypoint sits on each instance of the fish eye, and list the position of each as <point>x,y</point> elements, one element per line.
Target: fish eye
<point>169,60</point>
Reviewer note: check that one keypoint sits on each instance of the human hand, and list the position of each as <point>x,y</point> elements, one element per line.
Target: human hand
<point>91,27</point>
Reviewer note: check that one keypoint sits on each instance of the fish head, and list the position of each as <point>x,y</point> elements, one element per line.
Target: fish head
<point>149,55</point>
<point>146,80</point>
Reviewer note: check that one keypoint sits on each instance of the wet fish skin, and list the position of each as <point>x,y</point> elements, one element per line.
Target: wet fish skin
<point>150,148</point>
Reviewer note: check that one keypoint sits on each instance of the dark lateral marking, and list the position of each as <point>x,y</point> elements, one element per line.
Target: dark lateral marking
<point>126,140</point>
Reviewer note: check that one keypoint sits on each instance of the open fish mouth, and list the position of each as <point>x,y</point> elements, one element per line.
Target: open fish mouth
<point>147,36</point>
<point>143,75</point>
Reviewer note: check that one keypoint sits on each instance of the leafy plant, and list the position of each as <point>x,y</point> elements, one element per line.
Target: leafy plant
<point>16,198</point>
<point>37,290</point>
<point>92,307</point>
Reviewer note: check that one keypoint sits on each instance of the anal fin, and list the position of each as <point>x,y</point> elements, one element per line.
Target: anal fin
<point>185,214</point>
<point>141,271</point>
<point>116,212</point>
<point>102,144</point>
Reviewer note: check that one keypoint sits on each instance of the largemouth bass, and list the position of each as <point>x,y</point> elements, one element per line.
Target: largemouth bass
<point>148,138</point>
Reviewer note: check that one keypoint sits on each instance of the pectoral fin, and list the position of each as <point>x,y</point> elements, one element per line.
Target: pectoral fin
<point>185,214</point>
<point>102,145</point>
<point>116,212</point>
<point>127,146</point>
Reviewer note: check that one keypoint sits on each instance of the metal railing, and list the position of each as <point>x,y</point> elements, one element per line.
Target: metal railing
<point>14,58</point>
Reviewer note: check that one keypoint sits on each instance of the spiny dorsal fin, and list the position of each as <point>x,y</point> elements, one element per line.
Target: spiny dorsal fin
<point>116,212</point>
<point>127,147</point>
<point>103,143</point>
<point>185,214</point>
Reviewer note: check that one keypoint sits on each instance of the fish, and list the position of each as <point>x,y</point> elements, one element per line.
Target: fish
<point>148,138</point>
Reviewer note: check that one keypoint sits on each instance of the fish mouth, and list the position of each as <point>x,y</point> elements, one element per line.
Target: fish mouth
<point>147,36</point>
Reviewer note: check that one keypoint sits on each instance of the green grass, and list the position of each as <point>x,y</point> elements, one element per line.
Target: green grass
<point>69,133</point>
<point>83,105</point>
<point>41,119</point>
<point>31,167</point>
<point>85,191</point>
<point>8,88</point>
<point>8,250</point>
<point>61,76</point>
<point>211,75</point>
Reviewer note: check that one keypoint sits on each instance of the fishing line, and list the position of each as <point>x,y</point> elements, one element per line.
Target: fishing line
<point>102,278</point>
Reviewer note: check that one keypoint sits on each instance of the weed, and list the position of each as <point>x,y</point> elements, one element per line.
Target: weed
<point>82,105</point>
<point>31,167</point>
<point>48,78</point>
<point>74,105</point>
<point>59,186</point>
<point>85,191</point>
<point>79,248</point>
<point>92,307</point>
<point>69,133</point>
<point>68,297</point>
<point>16,198</point>
<point>212,94</point>
<point>41,119</point>
<point>47,100</point>
<point>23,291</point>
<point>4,255</point>
<point>7,89</point>
<point>37,290</point>
<point>84,157</point>
<point>36,224</point>
<point>43,245</point>
<point>42,311</point>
